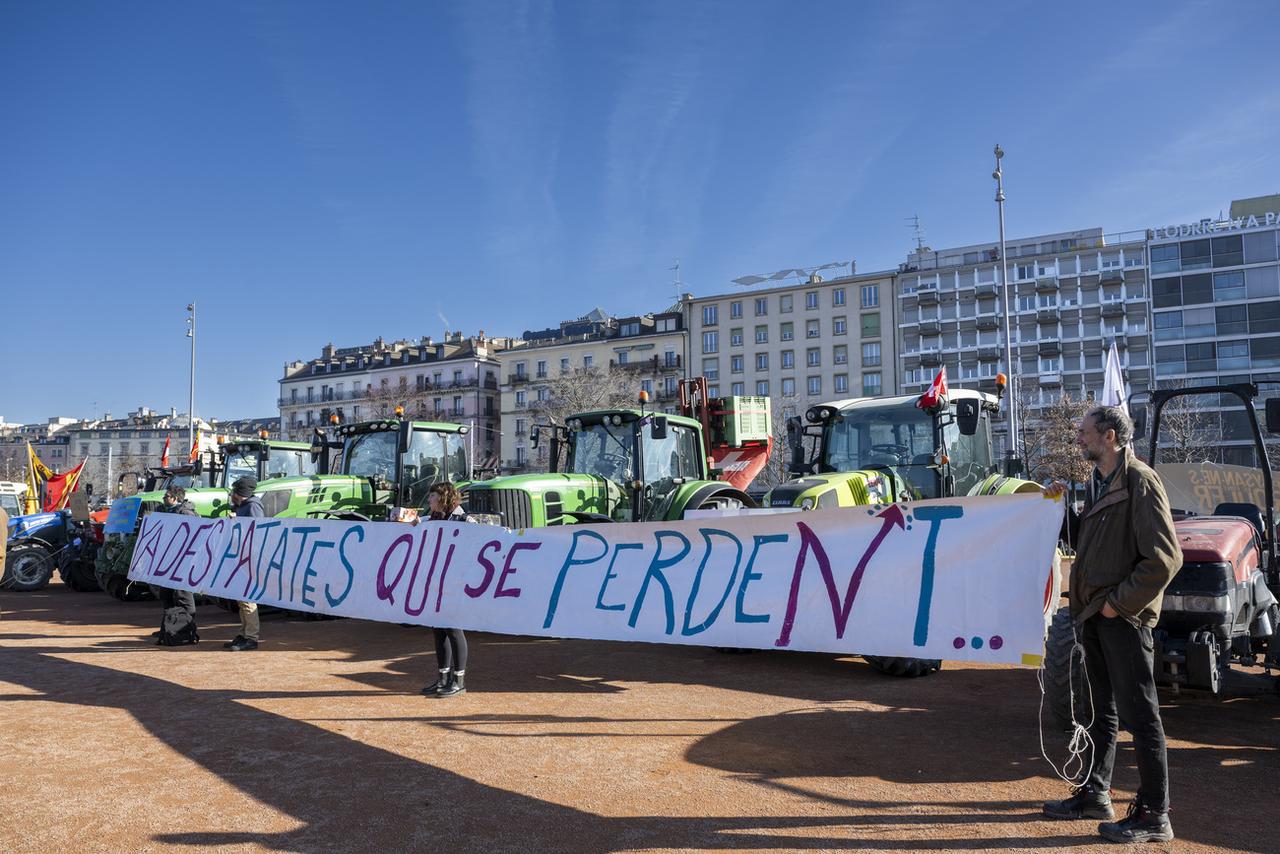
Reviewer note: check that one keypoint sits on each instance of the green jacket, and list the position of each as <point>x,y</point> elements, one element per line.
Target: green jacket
<point>1127,552</point>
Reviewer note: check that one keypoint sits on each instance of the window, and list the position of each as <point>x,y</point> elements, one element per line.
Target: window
<point>787,332</point>
<point>1201,358</point>
<point>812,328</point>
<point>737,389</point>
<point>839,325</point>
<point>871,385</point>
<point>1195,254</point>
<point>735,364</point>
<point>842,383</point>
<point>1168,325</point>
<point>1164,259</point>
<point>762,306</point>
<point>564,365</point>
<point>647,386</point>
<point>522,371</point>
<point>541,374</point>
<point>735,336</point>
<point>735,308</point>
<point>811,299</point>
<point>871,325</point>
<point>1197,289</point>
<point>813,357</point>
<point>457,401</point>
<point>710,315</point>
<point>870,296</point>
<point>624,357</point>
<point>1264,317</point>
<point>762,388</point>
<point>667,324</point>
<point>711,369</point>
<point>837,297</point>
<point>670,359</point>
<point>520,455</point>
<point>588,359</point>
<point>871,354</point>
<point>785,302</point>
<point>1228,286</point>
<point>815,386</point>
<point>788,359</point>
<point>1260,246</point>
<point>1228,251</point>
<point>1166,293</point>
<point>632,327</point>
<point>713,391</point>
<point>762,335</point>
<point>522,400</point>
<point>710,342</point>
<point>521,427</point>
<point>1233,355</point>
<point>840,354</point>
<point>788,387</point>
<point>762,361</point>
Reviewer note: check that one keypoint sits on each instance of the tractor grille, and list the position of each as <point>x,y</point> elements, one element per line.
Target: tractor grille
<point>513,506</point>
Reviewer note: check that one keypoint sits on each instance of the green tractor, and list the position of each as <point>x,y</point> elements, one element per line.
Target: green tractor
<point>884,450</point>
<point>633,465</point>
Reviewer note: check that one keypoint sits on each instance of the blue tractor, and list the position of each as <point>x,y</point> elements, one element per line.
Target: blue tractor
<point>39,543</point>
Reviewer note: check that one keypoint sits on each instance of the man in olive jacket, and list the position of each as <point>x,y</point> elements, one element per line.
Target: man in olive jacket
<point>1127,554</point>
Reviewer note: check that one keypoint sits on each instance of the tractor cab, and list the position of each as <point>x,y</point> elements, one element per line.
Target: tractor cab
<point>264,460</point>
<point>401,460</point>
<point>11,498</point>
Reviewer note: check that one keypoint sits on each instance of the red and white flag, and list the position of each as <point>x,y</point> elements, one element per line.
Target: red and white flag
<point>164,455</point>
<point>936,394</point>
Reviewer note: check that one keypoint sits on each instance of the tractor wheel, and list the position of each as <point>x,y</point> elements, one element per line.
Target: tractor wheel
<point>1064,674</point>
<point>908,668</point>
<point>80,576</point>
<point>28,567</point>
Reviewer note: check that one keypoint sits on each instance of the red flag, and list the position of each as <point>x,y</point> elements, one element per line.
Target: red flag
<point>58,488</point>
<point>164,455</point>
<point>936,394</point>
<point>195,450</point>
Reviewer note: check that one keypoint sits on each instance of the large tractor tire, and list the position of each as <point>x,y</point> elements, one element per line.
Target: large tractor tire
<point>1063,675</point>
<point>907,668</point>
<point>29,566</point>
<point>80,576</point>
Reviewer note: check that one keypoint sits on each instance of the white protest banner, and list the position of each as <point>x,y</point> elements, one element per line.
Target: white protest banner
<point>964,578</point>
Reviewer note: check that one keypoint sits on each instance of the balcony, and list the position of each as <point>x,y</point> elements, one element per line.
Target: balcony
<point>1113,308</point>
<point>1114,276</point>
<point>652,365</point>
<point>1049,348</point>
<point>931,358</point>
<point>986,289</point>
<point>517,378</point>
<point>990,354</point>
<point>1051,379</point>
<point>987,321</point>
<point>930,327</point>
<point>1051,314</point>
<point>1092,346</point>
<point>927,295</point>
<point>1047,284</point>
<point>1121,339</point>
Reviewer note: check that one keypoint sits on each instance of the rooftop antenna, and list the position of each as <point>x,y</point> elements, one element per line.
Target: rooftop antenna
<point>803,273</point>
<point>678,284</point>
<point>917,231</point>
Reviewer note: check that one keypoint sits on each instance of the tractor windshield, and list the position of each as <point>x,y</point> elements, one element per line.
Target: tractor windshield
<point>892,436</point>
<point>371,454</point>
<point>677,456</point>
<point>604,450</point>
<point>432,458</point>
<point>285,462</point>
<point>9,503</point>
<point>239,462</point>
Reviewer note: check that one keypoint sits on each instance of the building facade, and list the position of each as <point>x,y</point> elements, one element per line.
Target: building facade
<point>1074,295</point>
<point>1215,290</point>
<point>798,344</point>
<point>643,352</point>
<point>112,446</point>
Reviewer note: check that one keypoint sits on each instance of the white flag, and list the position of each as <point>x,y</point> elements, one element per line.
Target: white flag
<point>1114,392</point>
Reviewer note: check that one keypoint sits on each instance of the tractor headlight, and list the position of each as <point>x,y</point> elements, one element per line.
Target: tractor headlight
<point>806,504</point>
<point>1198,604</point>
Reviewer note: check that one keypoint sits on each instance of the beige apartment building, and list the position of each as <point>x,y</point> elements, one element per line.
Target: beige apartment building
<point>797,344</point>
<point>646,351</point>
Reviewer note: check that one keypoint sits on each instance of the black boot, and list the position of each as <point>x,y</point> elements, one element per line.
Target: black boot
<point>439,685</point>
<point>457,685</point>
<point>1083,803</point>
<point>1140,824</point>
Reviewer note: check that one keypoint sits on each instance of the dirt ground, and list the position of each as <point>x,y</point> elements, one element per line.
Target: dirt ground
<point>320,741</point>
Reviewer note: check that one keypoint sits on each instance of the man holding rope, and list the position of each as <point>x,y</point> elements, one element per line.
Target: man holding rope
<point>1126,556</point>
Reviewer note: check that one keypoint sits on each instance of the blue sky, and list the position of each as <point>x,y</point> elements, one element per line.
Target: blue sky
<point>314,172</point>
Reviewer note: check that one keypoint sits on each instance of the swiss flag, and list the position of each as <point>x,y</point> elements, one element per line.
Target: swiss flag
<point>936,394</point>
<point>164,455</point>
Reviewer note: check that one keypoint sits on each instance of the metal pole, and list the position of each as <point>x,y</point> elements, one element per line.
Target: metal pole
<point>1012,404</point>
<point>191,402</point>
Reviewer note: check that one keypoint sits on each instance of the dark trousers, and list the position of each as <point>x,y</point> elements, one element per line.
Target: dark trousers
<point>451,649</point>
<point>1120,660</point>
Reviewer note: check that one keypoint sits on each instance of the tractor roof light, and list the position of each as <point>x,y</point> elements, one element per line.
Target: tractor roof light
<point>643,397</point>
<point>1001,380</point>
<point>333,419</point>
<point>263,433</point>
<point>399,410</point>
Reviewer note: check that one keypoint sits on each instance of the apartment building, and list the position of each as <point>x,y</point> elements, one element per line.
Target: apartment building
<point>644,351</point>
<point>797,344</point>
<point>1074,295</point>
<point>1215,290</point>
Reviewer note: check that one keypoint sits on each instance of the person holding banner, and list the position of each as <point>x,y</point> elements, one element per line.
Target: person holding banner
<point>445,504</point>
<point>178,626</point>
<point>246,504</point>
<point>1126,555</point>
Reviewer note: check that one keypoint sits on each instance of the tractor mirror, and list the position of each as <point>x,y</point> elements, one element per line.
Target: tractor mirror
<point>1140,422</point>
<point>967,411</point>
<point>1273,415</point>
<point>88,490</point>
<point>534,436</point>
<point>658,430</point>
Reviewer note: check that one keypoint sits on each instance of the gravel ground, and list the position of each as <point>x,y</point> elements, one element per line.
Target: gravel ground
<point>321,742</point>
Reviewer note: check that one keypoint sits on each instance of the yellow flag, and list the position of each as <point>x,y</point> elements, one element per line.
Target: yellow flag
<point>37,472</point>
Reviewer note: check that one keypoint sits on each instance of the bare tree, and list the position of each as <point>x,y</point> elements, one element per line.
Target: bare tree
<point>1050,443</point>
<point>776,470</point>
<point>13,461</point>
<point>580,390</point>
<point>1189,433</point>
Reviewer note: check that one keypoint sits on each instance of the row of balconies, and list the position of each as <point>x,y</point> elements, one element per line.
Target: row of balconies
<point>656,364</point>
<point>932,356</point>
<point>927,294</point>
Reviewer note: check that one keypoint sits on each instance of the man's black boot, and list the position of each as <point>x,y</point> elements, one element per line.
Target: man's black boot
<point>1140,824</point>
<point>1083,803</point>
<point>243,645</point>
<point>235,640</point>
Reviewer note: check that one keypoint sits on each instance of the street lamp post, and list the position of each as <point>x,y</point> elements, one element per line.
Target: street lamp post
<point>191,401</point>
<point>1012,404</point>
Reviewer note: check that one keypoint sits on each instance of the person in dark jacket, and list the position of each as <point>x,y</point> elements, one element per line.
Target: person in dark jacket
<point>246,504</point>
<point>1127,553</point>
<point>445,504</point>
<point>178,625</point>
